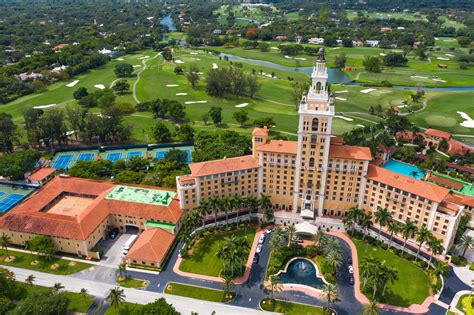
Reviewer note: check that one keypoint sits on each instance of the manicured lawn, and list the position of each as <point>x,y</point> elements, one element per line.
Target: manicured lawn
<point>289,308</point>
<point>77,303</point>
<point>195,292</point>
<point>442,112</point>
<point>203,258</point>
<point>24,260</point>
<point>125,308</point>
<point>132,283</point>
<point>464,304</point>
<point>413,284</point>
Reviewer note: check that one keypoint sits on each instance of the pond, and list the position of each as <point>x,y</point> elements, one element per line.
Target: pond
<point>301,271</point>
<point>168,21</point>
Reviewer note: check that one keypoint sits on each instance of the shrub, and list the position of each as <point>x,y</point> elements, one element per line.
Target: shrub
<point>471,266</point>
<point>459,260</point>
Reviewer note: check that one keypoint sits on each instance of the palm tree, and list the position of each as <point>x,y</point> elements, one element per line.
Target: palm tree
<point>291,232</point>
<point>30,279</point>
<point>58,286</point>
<point>408,230</point>
<point>383,218</point>
<point>243,249</point>
<point>390,275</point>
<point>424,235</point>
<point>366,266</point>
<point>366,223</point>
<point>436,247</point>
<point>278,236</point>
<point>334,259</point>
<point>349,222</point>
<point>223,254</point>
<point>319,238</point>
<point>116,297</point>
<point>84,293</point>
<point>467,242</point>
<point>372,308</point>
<point>228,283</point>
<point>356,214</point>
<point>330,293</point>
<point>273,285</point>
<point>5,241</point>
<point>121,270</point>
<point>266,205</point>
<point>215,205</point>
<point>440,269</point>
<point>226,206</point>
<point>394,228</point>
<point>252,204</point>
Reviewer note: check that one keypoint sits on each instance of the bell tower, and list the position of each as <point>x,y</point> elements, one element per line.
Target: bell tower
<point>316,112</point>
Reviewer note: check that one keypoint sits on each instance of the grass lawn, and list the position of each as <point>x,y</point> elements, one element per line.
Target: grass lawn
<point>132,283</point>
<point>195,292</point>
<point>77,302</point>
<point>24,260</point>
<point>413,284</point>
<point>464,304</point>
<point>289,308</point>
<point>125,308</point>
<point>441,112</point>
<point>203,258</point>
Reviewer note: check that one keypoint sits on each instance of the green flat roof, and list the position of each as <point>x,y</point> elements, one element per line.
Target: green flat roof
<point>162,225</point>
<point>141,195</point>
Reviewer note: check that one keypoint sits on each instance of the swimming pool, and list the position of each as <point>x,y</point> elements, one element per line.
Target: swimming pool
<point>404,169</point>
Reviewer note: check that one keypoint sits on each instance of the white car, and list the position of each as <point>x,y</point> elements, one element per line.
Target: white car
<point>259,248</point>
<point>268,231</point>
<point>351,269</point>
<point>261,239</point>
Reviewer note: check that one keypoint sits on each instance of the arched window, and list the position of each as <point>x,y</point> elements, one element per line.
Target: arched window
<point>318,86</point>
<point>311,162</point>
<point>314,125</point>
<point>314,139</point>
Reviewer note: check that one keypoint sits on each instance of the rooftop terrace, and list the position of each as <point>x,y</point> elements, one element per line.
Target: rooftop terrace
<point>141,195</point>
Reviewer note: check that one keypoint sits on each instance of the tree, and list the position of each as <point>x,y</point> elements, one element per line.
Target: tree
<point>84,293</point>
<point>372,308</point>
<point>121,86</point>
<point>393,228</point>
<point>340,60</point>
<point>116,297</point>
<point>123,70</point>
<point>58,287</point>
<point>80,93</point>
<point>408,230</point>
<point>185,132</point>
<point>121,271</point>
<point>178,70</point>
<point>193,75</point>
<point>266,205</point>
<point>436,247</point>
<point>129,177</point>
<point>423,235</point>
<point>366,223</point>
<point>159,307</point>
<point>252,85</point>
<point>268,122</point>
<point>383,218</point>
<point>372,64</point>
<point>30,279</point>
<point>5,241</point>
<point>273,279</point>
<point>8,133</point>
<point>228,283</point>
<point>43,302</point>
<point>291,232</point>
<point>167,55</point>
<point>298,88</point>
<point>161,133</point>
<point>241,116</point>
<point>393,59</point>
<point>319,239</point>
<point>466,243</point>
<point>440,268</point>
<point>43,245</point>
<point>330,293</point>
<point>216,115</point>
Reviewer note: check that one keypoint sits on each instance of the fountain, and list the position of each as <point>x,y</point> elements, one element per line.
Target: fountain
<point>301,271</point>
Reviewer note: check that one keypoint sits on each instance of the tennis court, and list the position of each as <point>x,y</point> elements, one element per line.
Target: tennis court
<point>85,157</point>
<point>161,154</point>
<point>10,196</point>
<point>133,154</point>
<point>10,201</point>
<point>114,157</point>
<point>63,161</point>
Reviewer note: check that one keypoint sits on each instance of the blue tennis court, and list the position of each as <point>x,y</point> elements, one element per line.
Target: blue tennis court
<point>114,157</point>
<point>63,161</point>
<point>2,193</point>
<point>133,154</point>
<point>10,201</point>
<point>161,154</point>
<point>85,157</point>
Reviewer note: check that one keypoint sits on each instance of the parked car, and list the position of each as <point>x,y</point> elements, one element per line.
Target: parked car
<point>351,280</point>
<point>349,261</point>
<point>113,233</point>
<point>351,269</point>
<point>268,231</point>
<point>259,248</point>
<point>256,259</point>
<point>261,239</point>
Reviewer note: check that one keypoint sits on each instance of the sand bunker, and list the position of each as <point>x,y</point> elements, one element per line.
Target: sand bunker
<point>341,98</point>
<point>193,53</point>
<point>288,57</point>
<point>99,86</point>
<point>468,121</point>
<point>144,57</point>
<point>137,66</point>
<point>442,58</point>
<point>120,59</point>
<point>181,94</point>
<point>72,83</point>
<point>276,48</point>
<point>172,85</point>
<point>418,77</point>
<point>345,118</point>
<point>215,66</point>
<point>343,91</point>
<point>359,125</point>
<point>439,80</point>
<point>367,91</point>
<point>382,54</point>
<point>178,61</point>
<point>44,106</point>
<point>402,106</point>
<point>300,58</point>
<point>449,55</point>
<point>241,105</point>
<point>195,102</point>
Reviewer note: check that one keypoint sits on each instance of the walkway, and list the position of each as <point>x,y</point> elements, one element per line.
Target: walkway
<point>144,63</point>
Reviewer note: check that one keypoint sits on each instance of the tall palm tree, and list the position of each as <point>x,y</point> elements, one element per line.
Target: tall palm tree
<point>278,236</point>
<point>349,223</point>
<point>390,275</point>
<point>266,206</point>
<point>30,279</point>
<point>215,205</point>
<point>408,230</point>
<point>291,232</point>
<point>334,259</point>
<point>58,286</point>
<point>5,241</point>
<point>228,283</point>
<point>383,218</point>
<point>84,293</point>
<point>238,203</point>
<point>116,297</point>
<point>223,253</point>
<point>243,248</point>
<point>356,214</point>
<point>226,207</point>
<point>423,235</point>
<point>440,269</point>
<point>467,242</point>
<point>121,270</point>
<point>367,264</point>
<point>319,238</point>
<point>366,223</point>
<point>393,228</point>
<point>436,247</point>
<point>273,285</point>
<point>372,308</point>
<point>330,294</point>
<point>252,204</point>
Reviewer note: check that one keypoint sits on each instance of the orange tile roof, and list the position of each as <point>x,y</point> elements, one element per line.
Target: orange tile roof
<point>446,182</point>
<point>438,133</point>
<point>151,246</point>
<point>405,135</point>
<point>408,184</point>
<point>461,199</point>
<point>456,147</point>
<point>279,146</point>
<point>337,140</point>
<point>262,132</point>
<point>28,217</point>
<point>223,165</point>
<point>350,152</point>
<point>41,173</point>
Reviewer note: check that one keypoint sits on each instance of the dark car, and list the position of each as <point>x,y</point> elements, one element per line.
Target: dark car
<point>255,259</point>
<point>351,280</point>
<point>349,261</point>
<point>113,233</point>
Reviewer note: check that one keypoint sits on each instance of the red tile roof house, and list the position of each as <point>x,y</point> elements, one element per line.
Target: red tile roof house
<point>77,213</point>
<point>40,176</point>
<point>432,137</point>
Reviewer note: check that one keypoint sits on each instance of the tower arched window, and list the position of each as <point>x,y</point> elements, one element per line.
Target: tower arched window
<point>314,139</point>
<point>314,125</point>
<point>311,162</point>
<point>318,86</point>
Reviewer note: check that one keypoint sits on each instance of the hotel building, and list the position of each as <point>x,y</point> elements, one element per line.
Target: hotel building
<point>318,178</point>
